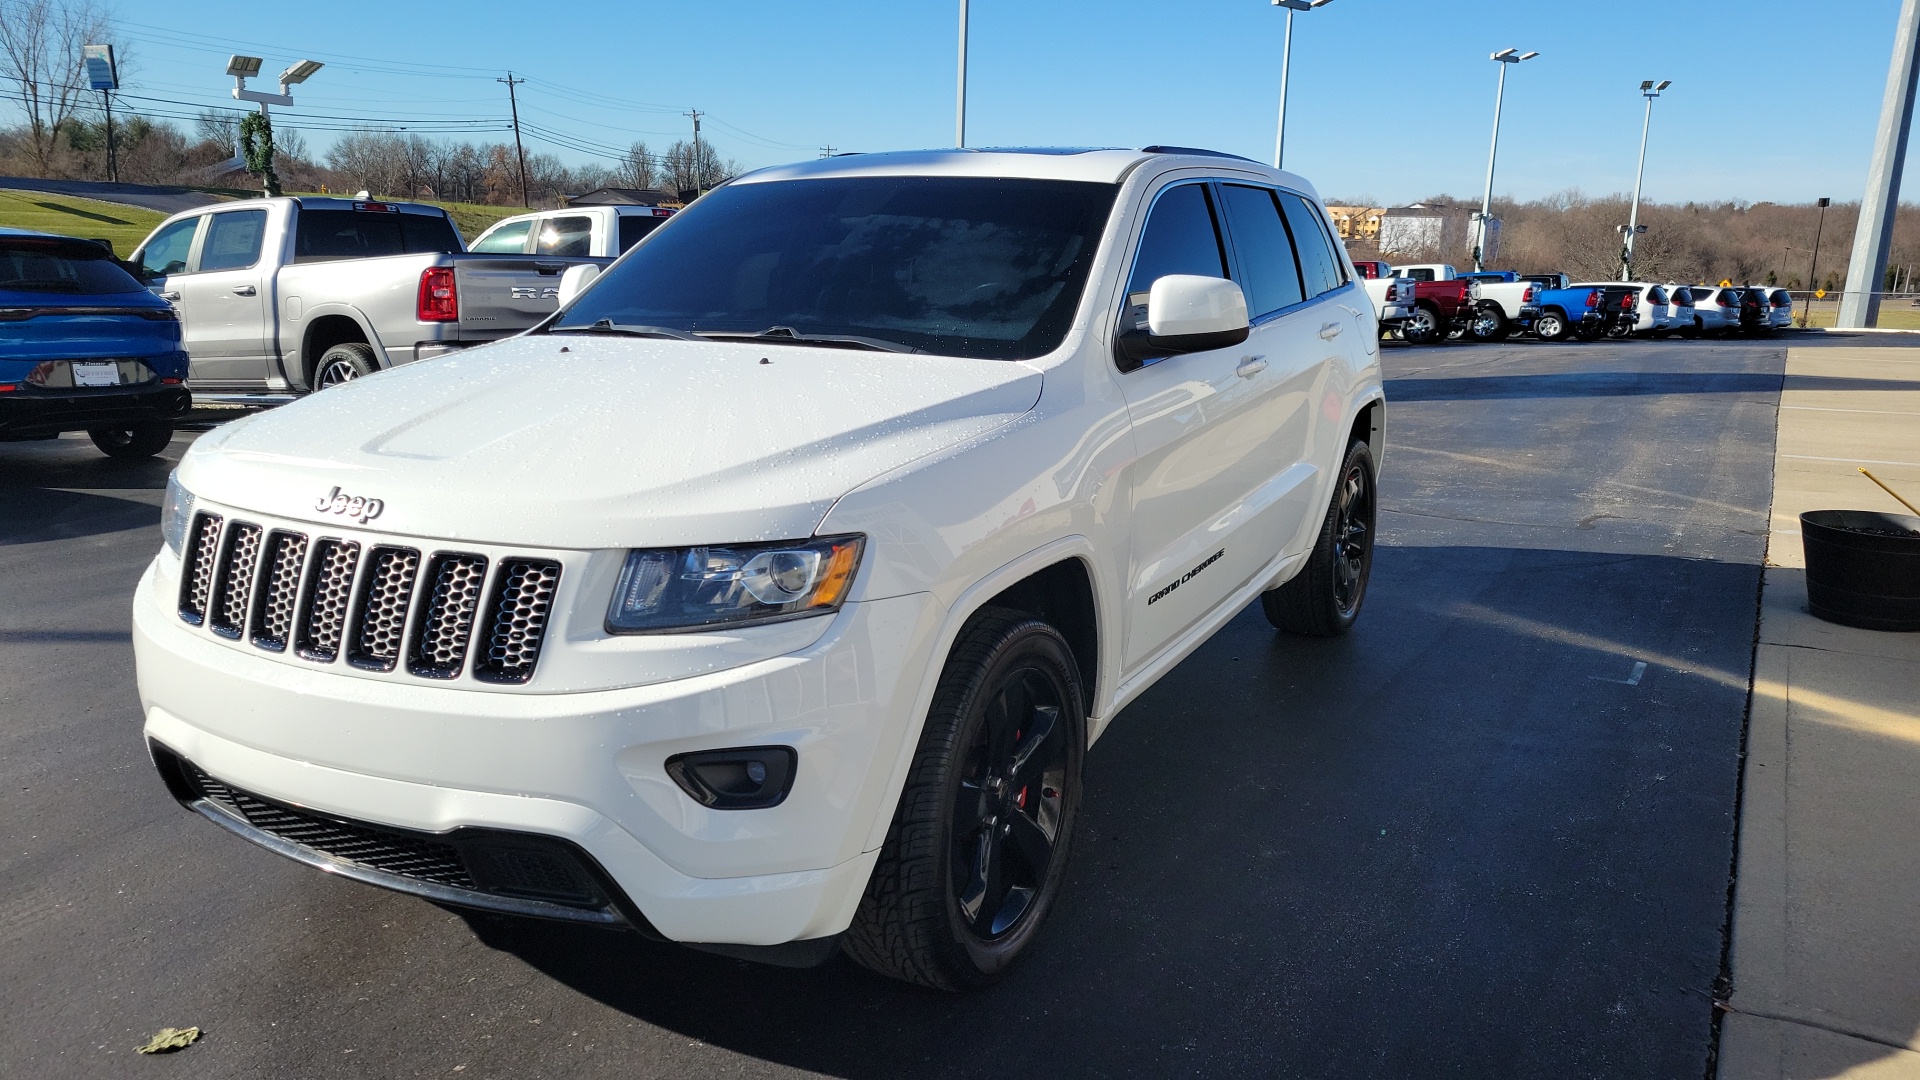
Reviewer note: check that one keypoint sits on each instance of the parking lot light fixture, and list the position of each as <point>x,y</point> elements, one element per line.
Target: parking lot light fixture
<point>1505,57</point>
<point>300,72</point>
<point>1649,91</point>
<point>1286,58</point>
<point>243,67</point>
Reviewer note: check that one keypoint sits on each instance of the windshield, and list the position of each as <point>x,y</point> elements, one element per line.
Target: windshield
<point>956,265</point>
<point>71,267</point>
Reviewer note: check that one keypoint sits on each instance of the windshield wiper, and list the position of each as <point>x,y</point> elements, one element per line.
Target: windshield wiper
<point>789,334</point>
<point>608,326</point>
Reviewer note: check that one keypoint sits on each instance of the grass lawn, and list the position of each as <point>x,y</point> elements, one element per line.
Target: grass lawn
<point>68,216</point>
<point>1894,314</point>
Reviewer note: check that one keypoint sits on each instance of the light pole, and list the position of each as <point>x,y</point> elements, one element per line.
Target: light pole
<point>103,75</point>
<point>960,98</point>
<point>1286,58</point>
<point>1505,57</point>
<point>243,68</point>
<point>1649,91</point>
<point>1807,311</point>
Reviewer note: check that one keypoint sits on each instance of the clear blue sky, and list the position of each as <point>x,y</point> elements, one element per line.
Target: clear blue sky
<point>1771,100</point>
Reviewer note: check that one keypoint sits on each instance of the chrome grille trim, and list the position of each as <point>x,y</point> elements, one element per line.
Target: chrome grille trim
<point>517,614</point>
<point>380,615</point>
<point>322,620</point>
<point>279,588</point>
<point>453,584</point>
<point>196,567</point>
<point>233,580</point>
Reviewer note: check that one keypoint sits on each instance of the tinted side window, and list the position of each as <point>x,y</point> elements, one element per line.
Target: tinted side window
<point>1417,275</point>
<point>1657,295</point>
<point>1260,240</point>
<point>634,228</point>
<point>510,238</point>
<point>233,240</point>
<point>565,236</point>
<point>1180,238</point>
<point>1319,269</point>
<point>348,234</point>
<point>166,253</point>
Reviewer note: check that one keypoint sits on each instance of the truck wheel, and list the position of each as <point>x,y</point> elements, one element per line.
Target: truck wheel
<point>1489,324</point>
<point>135,442</point>
<point>343,363</point>
<point>1423,327</point>
<point>978,846</point>
<point>1590,331</point>
<point>1551,326</point>
<point>1323,599</point>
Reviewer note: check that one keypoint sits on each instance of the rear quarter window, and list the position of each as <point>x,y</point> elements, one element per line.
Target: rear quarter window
<point>360,234</point>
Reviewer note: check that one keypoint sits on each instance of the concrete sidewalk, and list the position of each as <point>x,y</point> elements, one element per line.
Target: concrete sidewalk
<point>1826,926</point>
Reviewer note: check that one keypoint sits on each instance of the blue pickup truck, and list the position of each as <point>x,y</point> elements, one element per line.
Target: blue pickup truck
<point>85,347</point>
<point>1565,311</point>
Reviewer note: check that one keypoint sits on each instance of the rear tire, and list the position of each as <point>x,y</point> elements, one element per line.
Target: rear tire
<point>344,362</point>
<point>978,846</point>
<point>1424,326</point>
<point>1489,324</point>
<point>135,442</point>
<point>1324,598</point>
<point>1550,326</point>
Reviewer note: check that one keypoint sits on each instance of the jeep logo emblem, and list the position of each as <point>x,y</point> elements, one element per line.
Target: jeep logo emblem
<point>357,507</point>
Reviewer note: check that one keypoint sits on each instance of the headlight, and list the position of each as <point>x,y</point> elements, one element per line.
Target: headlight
<point>175,514</point>
<point>703,588</point>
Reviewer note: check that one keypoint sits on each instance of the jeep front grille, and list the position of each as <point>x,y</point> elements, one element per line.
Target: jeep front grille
<point>323,600</point>
<point>323,617</point>
<point>233,580</point>
<point>384,601</point>
<point>440,648</point>
<point>517,620</point>
<point>196,567</point>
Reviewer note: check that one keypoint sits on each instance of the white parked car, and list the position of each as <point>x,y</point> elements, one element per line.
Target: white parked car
<point>604,231</point>
<point>768,597</point>
<point>1781,317</point>
<point>1716,309</point>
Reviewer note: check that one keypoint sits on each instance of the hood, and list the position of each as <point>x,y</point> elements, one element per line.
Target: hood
<point>577,442</point>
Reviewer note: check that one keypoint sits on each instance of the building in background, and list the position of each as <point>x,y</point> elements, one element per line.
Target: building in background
<point>1360,223</point>
<point>1430,231</point>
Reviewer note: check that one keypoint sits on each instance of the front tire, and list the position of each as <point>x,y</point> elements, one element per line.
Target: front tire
<point>1323,599</point>
<point>135,442</point>
<point>344,362</point>
<point>978,846</point>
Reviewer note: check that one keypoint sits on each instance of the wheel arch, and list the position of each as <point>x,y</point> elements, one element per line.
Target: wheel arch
<point>335,326</point>
<point>1371,424</point>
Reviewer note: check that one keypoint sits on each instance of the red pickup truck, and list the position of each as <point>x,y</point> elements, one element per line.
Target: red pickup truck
<point>1441,306</point>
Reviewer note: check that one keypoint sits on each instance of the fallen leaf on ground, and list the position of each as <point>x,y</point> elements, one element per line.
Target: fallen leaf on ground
<point>171,1039</point>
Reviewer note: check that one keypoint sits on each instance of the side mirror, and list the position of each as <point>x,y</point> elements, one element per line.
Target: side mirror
<point>575,281</point>
<point>1183,313</point>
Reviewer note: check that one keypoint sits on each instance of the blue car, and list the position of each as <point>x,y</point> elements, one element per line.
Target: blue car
<point>85,347</point>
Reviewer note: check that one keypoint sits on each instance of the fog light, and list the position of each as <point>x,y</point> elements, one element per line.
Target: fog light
<point>743,778</point>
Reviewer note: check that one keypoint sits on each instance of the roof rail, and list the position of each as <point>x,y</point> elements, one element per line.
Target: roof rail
<point>1194,150</point>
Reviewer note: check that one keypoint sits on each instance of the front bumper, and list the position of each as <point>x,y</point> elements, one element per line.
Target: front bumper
<point>586,769</point>
<point>32,412</point>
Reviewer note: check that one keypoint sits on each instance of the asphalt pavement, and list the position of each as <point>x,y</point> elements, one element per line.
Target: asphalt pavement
<point>1488,834</point>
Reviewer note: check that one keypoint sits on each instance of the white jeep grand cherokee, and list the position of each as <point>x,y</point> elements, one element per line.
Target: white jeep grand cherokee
<point>767,597</point>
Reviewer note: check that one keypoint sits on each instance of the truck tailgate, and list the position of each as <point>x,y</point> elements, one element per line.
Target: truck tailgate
<point>505,294</point>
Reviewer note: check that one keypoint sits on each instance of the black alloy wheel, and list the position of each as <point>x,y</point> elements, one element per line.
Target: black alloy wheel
<point>1324,598</point>
<point>978,846</point>
<point>1621,328</point>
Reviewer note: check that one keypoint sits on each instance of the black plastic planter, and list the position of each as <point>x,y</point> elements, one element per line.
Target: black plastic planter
<point>1863,568</point>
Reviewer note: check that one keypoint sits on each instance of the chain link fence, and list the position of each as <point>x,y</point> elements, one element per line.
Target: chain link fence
<point>1897,310</point>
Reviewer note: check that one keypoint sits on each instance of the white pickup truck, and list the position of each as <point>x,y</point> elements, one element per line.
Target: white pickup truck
<point>302,293</point>
<point>602,231</point>
<point>768,597</point>
<point>1501,302</point>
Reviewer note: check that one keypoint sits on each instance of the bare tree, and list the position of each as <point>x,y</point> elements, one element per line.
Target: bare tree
<point>637,169</point>
<point>691,168</point>
<point>218,126</point>
<point>40,54</point>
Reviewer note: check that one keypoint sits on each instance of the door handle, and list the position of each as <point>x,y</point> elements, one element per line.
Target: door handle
<point>1330,331</point>
<point>169,296</point>
<point>243,290</point>
<point>1251,366</point>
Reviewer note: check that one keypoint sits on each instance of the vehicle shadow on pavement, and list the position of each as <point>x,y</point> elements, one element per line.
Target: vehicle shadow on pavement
<point>74,463</point>
<point>1487,834</point>
<point>36,515</point>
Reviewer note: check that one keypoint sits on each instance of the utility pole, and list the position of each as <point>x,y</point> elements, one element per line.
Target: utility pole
<point>699,166</point>
<point>826,151</point>
<point>518,148</point>
<point>1873,237</point>
<point>960,107</point>
<point>1648,91</point>
<point>1807,312</point>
